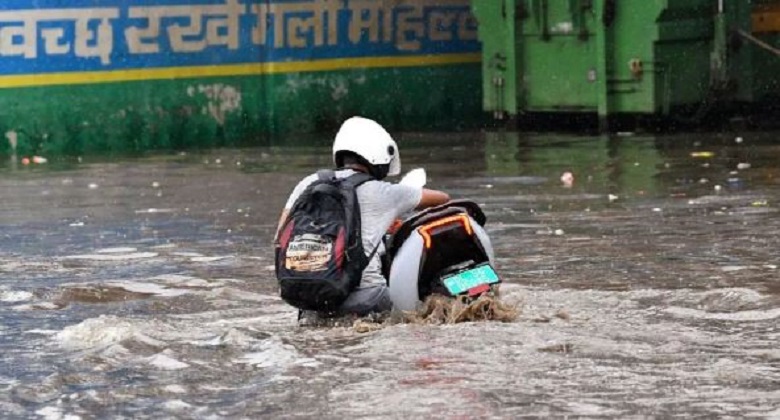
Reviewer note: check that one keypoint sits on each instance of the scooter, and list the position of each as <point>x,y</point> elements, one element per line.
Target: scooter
<point>440,250</point>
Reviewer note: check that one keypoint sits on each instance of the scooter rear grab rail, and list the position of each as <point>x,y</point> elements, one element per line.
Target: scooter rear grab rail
<point>424,216</point>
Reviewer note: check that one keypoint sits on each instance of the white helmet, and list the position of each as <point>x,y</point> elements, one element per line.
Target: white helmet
<point>369,140</point>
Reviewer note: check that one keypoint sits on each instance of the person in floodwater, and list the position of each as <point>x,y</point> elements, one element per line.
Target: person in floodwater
<point>363,145</point>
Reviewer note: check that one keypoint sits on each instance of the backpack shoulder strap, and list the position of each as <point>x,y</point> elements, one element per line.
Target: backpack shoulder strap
<point>352,182</point>
<point>371,255</point>
<point>357,179</point>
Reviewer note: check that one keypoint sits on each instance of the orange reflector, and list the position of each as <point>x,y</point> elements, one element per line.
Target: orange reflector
<point>425,230</point>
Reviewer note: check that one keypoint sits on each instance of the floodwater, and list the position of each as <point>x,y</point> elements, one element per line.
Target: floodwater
<point>143,287</point>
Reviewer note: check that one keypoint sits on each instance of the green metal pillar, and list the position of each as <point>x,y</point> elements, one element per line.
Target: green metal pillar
<point>719,59</point>
<point>499,55</point>
<point>602,85</point>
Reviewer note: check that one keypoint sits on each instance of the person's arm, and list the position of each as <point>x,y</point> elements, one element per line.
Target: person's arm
<point>432,198</point>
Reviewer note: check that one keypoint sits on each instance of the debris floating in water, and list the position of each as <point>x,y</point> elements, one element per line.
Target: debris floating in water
<point>154,210</point>
<point>567,178</point>
<point>563,314</point>
<point>702,154</point>
<point>35,159</point>
<point>365,326</point>
<point>436,310</point>
<point>743,165</point>
<point>439,309</point>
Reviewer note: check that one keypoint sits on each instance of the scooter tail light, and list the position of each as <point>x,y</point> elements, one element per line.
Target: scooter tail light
<point>426,230</point>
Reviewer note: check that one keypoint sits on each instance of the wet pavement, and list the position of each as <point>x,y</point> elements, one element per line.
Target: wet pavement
<point>143,287</point>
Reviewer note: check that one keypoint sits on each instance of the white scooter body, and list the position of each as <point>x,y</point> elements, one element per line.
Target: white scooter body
<point>405,268</point>
<point>404,272</point>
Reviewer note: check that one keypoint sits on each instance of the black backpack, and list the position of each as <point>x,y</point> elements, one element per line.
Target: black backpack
<point>320,258</point>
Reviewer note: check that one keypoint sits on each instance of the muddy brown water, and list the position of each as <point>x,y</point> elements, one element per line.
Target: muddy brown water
<point>143,287</point>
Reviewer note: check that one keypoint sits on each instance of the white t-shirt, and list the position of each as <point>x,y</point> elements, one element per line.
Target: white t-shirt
<point>381,203</point>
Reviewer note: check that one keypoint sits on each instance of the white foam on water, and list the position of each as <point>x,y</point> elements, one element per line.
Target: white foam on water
<point>730,299</point>
<point>733,268</point>
<point>736,293</point>
<point>41,332</point>
<point>333,358</point>
<point>154,210</point>
<point>7,383</point>
<point>276,317</point>
<point>176,406</point>
<point>209,259</point>
<point>220,388</point>
<point>12,410</point>
<point>591,409</point>
<point>47,266</point>
<point>165,362</point>
<point>14,296</point>
<point>106,330</point>
<point>175,389</point>
<point>148,288</point>
<point>187,254</point>
<point>115,353</point>
<point>232,337</point>
<point>40,306</point>
<point>55,413</point>
<point>158,286</point>
<point>755,315</point>
<point>112,257</point>
<point>96,332</point>
<point>273,353</point>
<point>164,246</point>
<point>308,362</point>
<point>242,295</point>
<point>284,378</point>
<point>186,281</point>
<point>117,250</point>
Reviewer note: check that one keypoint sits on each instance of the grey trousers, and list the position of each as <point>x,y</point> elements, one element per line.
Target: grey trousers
<point>367,299</point>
